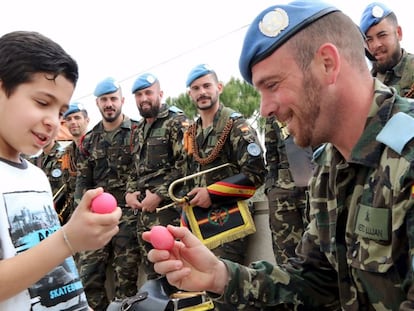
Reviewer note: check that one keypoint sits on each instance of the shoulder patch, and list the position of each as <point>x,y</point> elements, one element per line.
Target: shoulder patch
<point>175,109</point>
<point>254,149</point>
<point>397,132</point>
<point>235,115</point>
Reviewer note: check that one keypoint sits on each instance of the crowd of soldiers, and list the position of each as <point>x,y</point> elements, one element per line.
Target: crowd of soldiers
<point>137,161</point>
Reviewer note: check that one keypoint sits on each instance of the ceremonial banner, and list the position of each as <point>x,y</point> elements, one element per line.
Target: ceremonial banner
<point>217,225</point>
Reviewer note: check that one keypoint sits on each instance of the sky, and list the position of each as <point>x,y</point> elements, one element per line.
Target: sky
<point>126,38</point>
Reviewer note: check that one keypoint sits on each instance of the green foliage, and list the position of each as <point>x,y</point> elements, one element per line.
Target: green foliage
<point>185,103</point>
<point>241,96</point>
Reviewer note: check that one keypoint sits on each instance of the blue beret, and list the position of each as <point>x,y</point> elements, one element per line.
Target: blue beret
<point>143,81</point>
<point>372,15</point>
<point>198,72</point>
<point>73,108</point>
<point>273,27</point>
<point>106,86</point>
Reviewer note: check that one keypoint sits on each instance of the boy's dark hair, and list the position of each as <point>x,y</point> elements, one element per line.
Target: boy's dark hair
<point>24,53</point>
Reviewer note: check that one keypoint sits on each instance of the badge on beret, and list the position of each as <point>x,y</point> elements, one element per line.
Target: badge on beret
<point>253,149</point>
<point>274,22</point>
<point>56,173</point>
<point>377,11</point>
<point>151,79</point>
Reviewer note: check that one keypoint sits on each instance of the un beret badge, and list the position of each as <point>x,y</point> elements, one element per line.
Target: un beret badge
<point>274,22</point>
<point>150,79</point>
<point>377,11</point>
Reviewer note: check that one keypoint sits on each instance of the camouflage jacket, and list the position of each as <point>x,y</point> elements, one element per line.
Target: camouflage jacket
<point>69,159</point>
<point>158,155</point>
<point>287,164</point>
<point>357,252</point>
<point>401,77</point>
<point>241,148</point>
<point>105,160</point>
<point>71,156</point>
<point>52,165</point>
<point>55,166</point>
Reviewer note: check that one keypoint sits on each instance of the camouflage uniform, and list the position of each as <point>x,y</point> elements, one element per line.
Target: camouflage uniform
<point>289,169</point>
<point>69,159</point>
<point>105,160</point>
<point>235,151</point>
<point>401,77</point>
<point>54,166</point>
<point>357,252</point>
<point>159,160</point>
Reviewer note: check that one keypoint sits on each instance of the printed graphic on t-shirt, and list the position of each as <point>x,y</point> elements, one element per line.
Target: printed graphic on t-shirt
<point>31,219</point>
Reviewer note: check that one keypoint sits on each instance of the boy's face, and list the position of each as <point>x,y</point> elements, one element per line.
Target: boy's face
<point>30,117</point>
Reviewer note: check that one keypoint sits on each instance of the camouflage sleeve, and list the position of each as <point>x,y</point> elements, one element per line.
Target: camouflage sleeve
<point>272,138</point>
<point>408,304</point>
<point>248,152</point>
<point>307,280</point>
<point>179,124</point>
<point>131,183</point>
<point>84,176</point>
<point>263,285</point>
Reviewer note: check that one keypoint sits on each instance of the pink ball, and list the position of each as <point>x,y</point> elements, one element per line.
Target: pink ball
<point>161,238</point>
<point>104,203</point>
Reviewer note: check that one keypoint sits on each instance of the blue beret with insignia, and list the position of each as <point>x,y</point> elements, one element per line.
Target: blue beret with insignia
<point>273,27</point>
<point>372,15</point>
<point>198,72</point>
<point>106,86</point>
<point>143,81</point>
<point>73,108</point>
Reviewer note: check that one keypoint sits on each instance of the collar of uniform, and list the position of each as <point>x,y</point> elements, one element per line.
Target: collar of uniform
<point>381,111</point>
<point>163,113</point>
<point>368,150</point>
<point>216,116</point>
<point>400,67</point>
<point>126,123</point>
<point>56,149</point>
<point>218,113</point>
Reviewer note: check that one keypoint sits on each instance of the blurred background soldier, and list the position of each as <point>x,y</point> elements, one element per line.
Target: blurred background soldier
<point>76,120</point>
<point>158,160</point>
<point>289,169</point>
<point>50,160</point>
<point>391,64</point>
<point>104,161</point>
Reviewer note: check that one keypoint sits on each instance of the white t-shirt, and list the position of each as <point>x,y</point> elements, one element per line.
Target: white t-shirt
<point>27,216</point>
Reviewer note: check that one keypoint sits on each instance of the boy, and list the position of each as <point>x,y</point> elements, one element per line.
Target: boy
<point>37,80</point>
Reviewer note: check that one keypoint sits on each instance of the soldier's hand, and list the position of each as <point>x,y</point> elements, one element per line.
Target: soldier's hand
<point>87,230</point>
<point>151,202</point>
<point>200,197</point>
<point>131,199</point>
<point>189,265</point>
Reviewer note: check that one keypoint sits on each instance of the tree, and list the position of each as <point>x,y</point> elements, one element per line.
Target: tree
<point>241,96</point>
<point>184,102</point>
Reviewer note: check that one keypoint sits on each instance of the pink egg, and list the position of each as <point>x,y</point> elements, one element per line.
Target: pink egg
<point>104,203</point>
<point>161,238</point>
